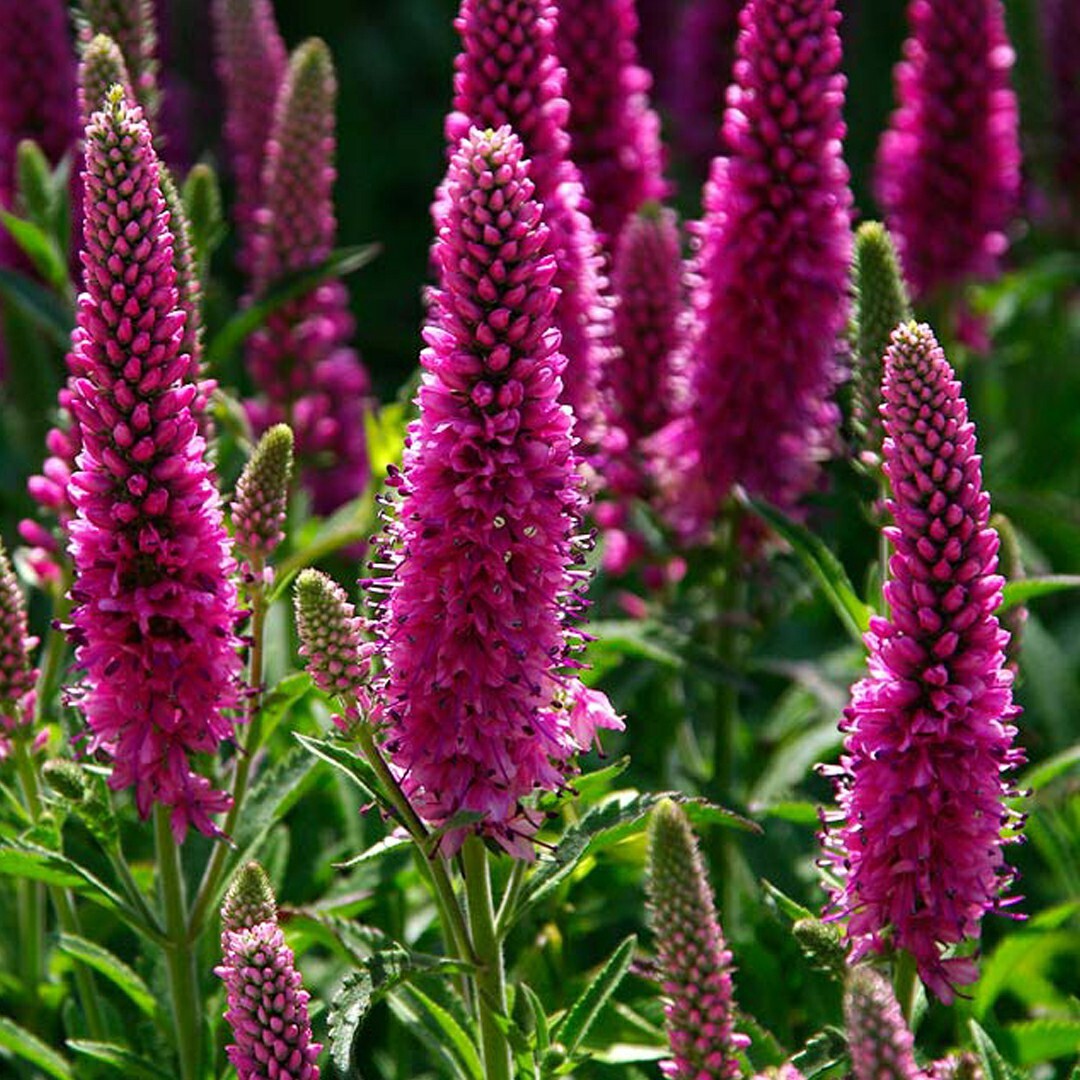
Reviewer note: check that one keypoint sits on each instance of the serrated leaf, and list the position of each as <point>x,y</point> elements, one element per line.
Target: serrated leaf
<point>542,1032</point>
<point>995,1067</point>
<point>575,1025</point>
<point>348,762</point>
<point>127,1062</point>
<point>347,1012</point>
<point>823,565</point>
<point>788,907</point>
<point>420,1024</point>
<point>1031,588</point>
<point>112,968</point>
<point>42,306</point>
<point>30,1048</point>
<point>236,331</point>
<point>386,846</point>
<point>1034,1042</point>
<point>463,1045</point>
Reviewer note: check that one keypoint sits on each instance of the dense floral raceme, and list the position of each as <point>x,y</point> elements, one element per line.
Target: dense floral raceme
<point>251,62</point>
<point>304,371</point>
<point>101,67</point>
<point>262,494</point>
<point>772,268</point>
<point>930,736</point>
<point>133,26</point>
<point>267,1002</point>
<point>614,134</point>
<point>17,674</point>
<point>881,1044</point>
<point>482,552</point>
<point>692,959</point>
<point>948,170</point>
<point>155,608</point>
<point>508,73</point>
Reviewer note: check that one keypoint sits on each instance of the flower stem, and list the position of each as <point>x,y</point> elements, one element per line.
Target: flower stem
<point>490,978</point>
<point>179,955</point>
<point>905,983</point>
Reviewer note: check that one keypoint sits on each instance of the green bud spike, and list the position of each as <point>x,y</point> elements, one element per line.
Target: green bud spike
<point>202,205</point>
<point>34,178</point>
<point>330,637</point>
<point>102,67</point>
<point>823,945</point>
<point>262,493</point>
<point>132,25</point>
<point>66,778</point>
<point>249,900</point>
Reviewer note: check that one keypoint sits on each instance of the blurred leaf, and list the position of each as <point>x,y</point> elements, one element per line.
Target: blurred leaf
<point>30,1048</point>
<point>1031,588</point>
<point>1034,1042</point>
<point>994,1065</point>
<point>798,813</point>
<point>39,304</point>
<point>628,1053</point>
<point>39,247</point>
<point>1020,965</point>
<point>788,907</point>
<point>277,704</point>
<point>385,428</point>
<point>241,326</point>
<point>443,1027</point>
<point>575,1025</point>
<point>823,1052</point>
<point>1038,776</point>
<point>822,564</point>
<point>125,1060</point>
<point>112,968</point>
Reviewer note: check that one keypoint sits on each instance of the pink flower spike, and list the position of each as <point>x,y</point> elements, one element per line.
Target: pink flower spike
<point>17,674</point>
<point>881,1044</point>
<point>154,603</point>
<point>948,168</point>
<point>771,297</point>
<point>251,63</point>
<point>303,368</point>
<point>614,133</point>
<point>930,740</point>
<point>484,550</point>
<point>508,73</point>
<point>132,24</point>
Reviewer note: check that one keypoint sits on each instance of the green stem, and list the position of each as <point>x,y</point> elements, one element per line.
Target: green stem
<point>490,978</point>
<point>179,955</point>
<point>250,745</point>
<point>453,921</point>
<point>53,656</point>
<point>727,706</point>
<point>66,915</point>
<point>905,983</point>
<point>509,900</point>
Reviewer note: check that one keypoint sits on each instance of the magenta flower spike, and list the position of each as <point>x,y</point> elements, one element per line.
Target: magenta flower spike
<point>772,293</point>
<point>251,64</point>
<point>614,133</point>
<point>17,674</point>
<point>948,168</point>
<point>267,1002</point>
<point>703,52</point>
<point>1061,29</point>
<point>484,552</point>
<point>262,494</point>
<point>692,958</point>
<point>881,1044</point>
<point>306,374</point>
<point>922,781</point>
<point>508,73</point>
<point>154,604</point>
<point>132,24</point>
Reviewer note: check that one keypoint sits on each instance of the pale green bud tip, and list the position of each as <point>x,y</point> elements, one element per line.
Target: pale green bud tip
<point>66,778</point>
<point>202,202</point>
<point>312,65</point>
<point>262,493</point>
<point>249,900</point>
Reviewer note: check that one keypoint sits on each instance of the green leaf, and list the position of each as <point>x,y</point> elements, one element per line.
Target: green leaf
<point>633,638</point>
<point>347,1012</point>
<point>822,564</point>
<point>236,331</point>
<point>39,304</point>
<point>1035,1042</point>
<point>112,968</point>
<point>1031,588</point>
<point>348,762</point>
<point>575,1025</point>
<point>822,1053</point>
<point>788,907</point>
<point>462,1044</point>
<point>538,1016</point>
<point>126,1061</point>
<point>30,1048</point>
<point>629,1053</point>
<point>37,867</point>
<point>280,700</point>
<point>385,429</point>
<point>39,247</point>
<point>385,846</point>
<point>793,810</point>
<point>1038,776</point>
<point>590,786</point>
<point>994,1066</point>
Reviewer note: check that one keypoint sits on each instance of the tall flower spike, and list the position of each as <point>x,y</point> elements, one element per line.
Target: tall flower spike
<point>1061,29</point>
<point>691,955</point>
<point>101,68</point>
<point>772,294</point>
<point>251,63</point>
<point>133,26</point>
<point>483,550</point>
<point>881,305</point>
<point>614,134</point>
<point>921,786</point>
<point>262,494</point>
<point>948,168</point>
<point>508,73</point>
<point>17,674</point>
<point>881,1044</point>
<point>267,1002</point>
<point>155,607</point>
<point>305,372</point>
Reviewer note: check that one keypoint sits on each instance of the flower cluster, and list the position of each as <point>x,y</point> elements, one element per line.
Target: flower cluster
<point>17,674</point>
<point>881,1044</point>
<point>948,170</point>
<point>262,494</point>
<point>693,960</point>
<point>155,608</point>
<point>930,733</point>
<point>771,295</point>
<point>132,24</point>
<point>483,552</point>
<point>305,373</point>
